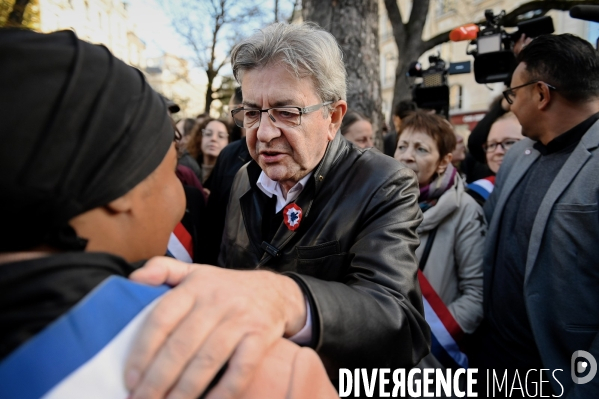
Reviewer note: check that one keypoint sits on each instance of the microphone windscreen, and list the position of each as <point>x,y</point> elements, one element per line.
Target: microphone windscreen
<point>586,13</point>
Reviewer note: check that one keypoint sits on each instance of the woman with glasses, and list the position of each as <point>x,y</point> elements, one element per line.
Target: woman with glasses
<point>207,141</point>
<point>504,133</point>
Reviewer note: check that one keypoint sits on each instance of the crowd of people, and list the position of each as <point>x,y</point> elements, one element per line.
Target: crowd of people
<point>294,247</point>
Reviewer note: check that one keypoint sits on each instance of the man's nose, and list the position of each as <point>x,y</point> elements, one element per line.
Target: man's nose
<point>267,131</point>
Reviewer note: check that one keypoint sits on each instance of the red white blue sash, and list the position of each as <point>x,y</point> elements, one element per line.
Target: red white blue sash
<point>445,330</point>
<point>82,354</point>
<point>180,244</point>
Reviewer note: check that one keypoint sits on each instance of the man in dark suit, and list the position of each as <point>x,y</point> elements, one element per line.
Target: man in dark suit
<point>541,276</point>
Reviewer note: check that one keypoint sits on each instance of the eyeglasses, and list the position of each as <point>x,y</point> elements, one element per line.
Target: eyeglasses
<point>210,133</point>
<point>281,117</point>
<point>505,144</point>
<point>509,94</point>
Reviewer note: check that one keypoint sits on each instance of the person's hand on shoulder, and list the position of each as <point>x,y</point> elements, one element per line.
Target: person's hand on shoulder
<point>211,317</point>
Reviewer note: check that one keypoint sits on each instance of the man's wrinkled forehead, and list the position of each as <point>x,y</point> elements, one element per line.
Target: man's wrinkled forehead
<point>284,96</point>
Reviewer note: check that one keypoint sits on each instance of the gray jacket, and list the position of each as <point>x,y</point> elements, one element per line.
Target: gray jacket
<point>455,264</point>
<point>561,282</point>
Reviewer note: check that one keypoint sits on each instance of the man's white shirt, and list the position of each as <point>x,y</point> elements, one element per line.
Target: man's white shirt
<point>270,188</point>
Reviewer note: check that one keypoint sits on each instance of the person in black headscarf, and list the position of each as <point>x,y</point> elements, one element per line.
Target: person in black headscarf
<point>87,182</point>
<point>88,192</point>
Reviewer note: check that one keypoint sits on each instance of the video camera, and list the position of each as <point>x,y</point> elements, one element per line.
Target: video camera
<point>494,58</point>
<point>586,13</point>
<point>432,92</point>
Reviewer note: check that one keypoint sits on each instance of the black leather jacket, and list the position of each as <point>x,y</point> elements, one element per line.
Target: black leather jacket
<point>228,163</point>
<point>353,255</point>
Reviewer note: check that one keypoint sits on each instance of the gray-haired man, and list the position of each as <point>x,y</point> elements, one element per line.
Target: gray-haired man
<point>334,224</point>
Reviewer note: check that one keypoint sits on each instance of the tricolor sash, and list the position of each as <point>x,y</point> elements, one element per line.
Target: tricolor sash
<point>483,187</point>
<point>180,244</point>
<point>82,354</point>
<point>445,331</point>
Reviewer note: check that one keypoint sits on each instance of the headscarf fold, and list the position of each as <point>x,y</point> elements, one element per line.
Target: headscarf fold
<point>78,129</point>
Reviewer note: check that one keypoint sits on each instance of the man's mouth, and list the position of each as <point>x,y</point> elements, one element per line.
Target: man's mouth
<point>271,156</point>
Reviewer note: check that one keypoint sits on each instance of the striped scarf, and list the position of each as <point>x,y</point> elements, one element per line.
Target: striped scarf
<point>429,194</point>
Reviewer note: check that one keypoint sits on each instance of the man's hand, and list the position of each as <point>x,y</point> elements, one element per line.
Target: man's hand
<point>212,316</point>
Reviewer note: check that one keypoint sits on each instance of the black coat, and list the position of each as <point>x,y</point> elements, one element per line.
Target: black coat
<point>228,163</point>
<point>353,255</point>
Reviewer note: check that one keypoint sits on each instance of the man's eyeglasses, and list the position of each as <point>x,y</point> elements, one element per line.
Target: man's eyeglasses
<point>281,117</point>
<point>505,144</point>
<point>210,133</point>
<point>509,94</point>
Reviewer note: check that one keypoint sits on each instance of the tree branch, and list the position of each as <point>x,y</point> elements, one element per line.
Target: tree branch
<point>399,29</point>
<point>15,18</point>
<point>224,62</point>
<point>435,41</point>
<point>417,18</point>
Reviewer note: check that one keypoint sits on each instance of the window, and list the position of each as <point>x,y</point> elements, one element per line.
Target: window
<point>455,97</point>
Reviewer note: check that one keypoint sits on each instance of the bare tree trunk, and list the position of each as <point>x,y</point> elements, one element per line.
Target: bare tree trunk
<point>410,46</point>
<point>209,98</point>
<point>276,11</point>
<point>355,25</point>
<point>15,18</point>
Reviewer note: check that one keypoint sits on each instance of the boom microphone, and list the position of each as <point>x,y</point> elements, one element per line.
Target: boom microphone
<point>586,13</point>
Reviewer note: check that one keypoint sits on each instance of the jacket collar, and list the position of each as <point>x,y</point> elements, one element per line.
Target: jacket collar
<point>526,156</point>
<point>567,174</point>
<point>334,150</point>
<point>252,212</point>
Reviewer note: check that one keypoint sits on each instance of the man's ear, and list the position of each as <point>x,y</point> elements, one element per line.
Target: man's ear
<point>543,94</point>
<point>339,110</point>
<point>443,162</point>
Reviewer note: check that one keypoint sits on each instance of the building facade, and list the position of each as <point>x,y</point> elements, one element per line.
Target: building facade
<point>107,22</point>
<point>96,21</point>
<point>169,75</point>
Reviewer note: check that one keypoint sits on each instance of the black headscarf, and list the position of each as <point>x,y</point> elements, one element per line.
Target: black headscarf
<point>78,129</point>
